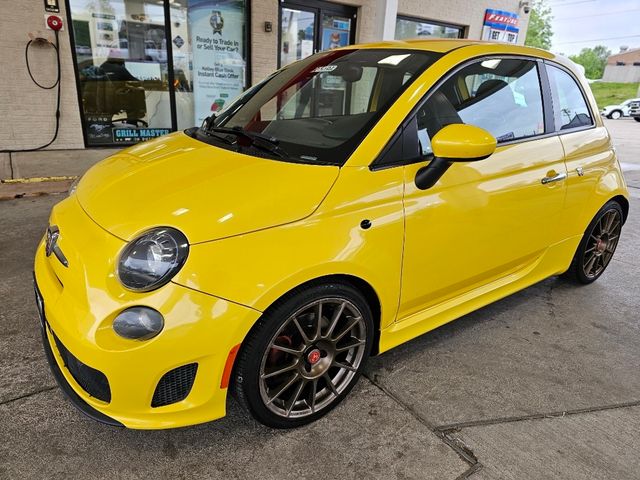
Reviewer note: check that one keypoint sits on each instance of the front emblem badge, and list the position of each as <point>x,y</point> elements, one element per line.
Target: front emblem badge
<point>51,245</point>
<point>53,233</point>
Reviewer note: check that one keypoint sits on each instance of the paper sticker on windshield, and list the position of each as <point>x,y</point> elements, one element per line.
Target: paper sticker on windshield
<point>325,69</point>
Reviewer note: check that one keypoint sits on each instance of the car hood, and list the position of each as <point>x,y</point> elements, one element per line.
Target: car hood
<point>206,192</point>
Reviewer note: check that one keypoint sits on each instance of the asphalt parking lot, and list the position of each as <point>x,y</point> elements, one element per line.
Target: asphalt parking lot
<point>543,384</point>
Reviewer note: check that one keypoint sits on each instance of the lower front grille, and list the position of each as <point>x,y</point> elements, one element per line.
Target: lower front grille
<point>174,385</point>
<point>92,381</point>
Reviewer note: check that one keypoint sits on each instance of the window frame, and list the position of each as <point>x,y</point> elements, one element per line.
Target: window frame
<point>564,69</point>
<point>550,130</point>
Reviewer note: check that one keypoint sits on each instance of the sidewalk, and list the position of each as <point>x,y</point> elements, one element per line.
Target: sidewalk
<point>45,171</point>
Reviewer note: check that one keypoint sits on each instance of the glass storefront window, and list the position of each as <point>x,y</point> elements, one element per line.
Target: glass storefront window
<point>407,27</point>
<point>140,78</point>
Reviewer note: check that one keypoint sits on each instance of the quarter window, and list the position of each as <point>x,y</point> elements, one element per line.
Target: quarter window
<point>569,105</point>
<point>503,96</point>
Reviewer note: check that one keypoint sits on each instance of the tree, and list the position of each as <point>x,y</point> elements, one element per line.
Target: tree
<point>593,60</point>
<point>539,31</point>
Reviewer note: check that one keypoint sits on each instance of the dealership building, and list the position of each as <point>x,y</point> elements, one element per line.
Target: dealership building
<point>131,70</point>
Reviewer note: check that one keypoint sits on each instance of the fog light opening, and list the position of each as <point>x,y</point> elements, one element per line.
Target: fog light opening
<point>138,323</point>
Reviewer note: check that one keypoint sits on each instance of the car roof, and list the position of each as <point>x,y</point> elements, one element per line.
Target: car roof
<point>444,45</point>
<point>440,45</point>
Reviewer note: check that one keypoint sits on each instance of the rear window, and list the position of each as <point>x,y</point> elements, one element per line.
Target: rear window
<point>570,108</point>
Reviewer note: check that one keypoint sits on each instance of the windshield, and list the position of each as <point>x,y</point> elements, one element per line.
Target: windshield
<point>319,109</point>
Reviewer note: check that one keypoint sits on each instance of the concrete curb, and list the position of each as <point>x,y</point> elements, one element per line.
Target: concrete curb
<point>27,187</point>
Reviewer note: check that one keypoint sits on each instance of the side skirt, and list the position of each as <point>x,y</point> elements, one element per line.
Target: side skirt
<point>555,261</point>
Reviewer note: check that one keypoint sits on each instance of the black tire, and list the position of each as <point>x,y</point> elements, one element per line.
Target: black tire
<point>615,114</point>
<point>311,361</point>
<point>597,246</point>
<point>637,119</point>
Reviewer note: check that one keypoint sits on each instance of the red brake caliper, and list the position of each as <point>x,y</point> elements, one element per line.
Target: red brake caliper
<point>276,355</point>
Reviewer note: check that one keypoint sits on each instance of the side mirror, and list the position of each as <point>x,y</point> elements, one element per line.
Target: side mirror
<point>455,143</point>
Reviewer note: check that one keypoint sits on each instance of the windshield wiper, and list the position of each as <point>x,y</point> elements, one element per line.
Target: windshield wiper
<point>259,140</point>
<point>222,138</point>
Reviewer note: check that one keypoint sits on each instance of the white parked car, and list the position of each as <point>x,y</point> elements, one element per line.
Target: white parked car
<point>617,111</point>
<point>634,109</point>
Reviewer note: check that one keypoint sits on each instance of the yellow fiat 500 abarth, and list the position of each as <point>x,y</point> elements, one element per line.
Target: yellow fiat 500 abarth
<point>348,203</point>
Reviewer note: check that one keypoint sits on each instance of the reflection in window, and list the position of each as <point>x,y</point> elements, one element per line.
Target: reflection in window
<point>122,66</point>
<point>503,96</point>
<point>569,106</point>
<point>416,28</point>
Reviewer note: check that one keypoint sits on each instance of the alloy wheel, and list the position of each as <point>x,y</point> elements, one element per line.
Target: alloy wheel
<point>602,243</point>
<point>312,358</point>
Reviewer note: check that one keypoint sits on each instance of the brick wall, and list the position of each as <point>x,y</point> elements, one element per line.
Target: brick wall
<point>629,57</point>
<point>27,112</point>
<point>264,46</point>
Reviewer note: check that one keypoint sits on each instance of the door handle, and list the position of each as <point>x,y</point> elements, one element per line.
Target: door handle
<point>556,178</point>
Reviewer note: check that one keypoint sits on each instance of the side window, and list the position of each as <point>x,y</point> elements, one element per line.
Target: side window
<point>503,96</point>
<point>569,105</point>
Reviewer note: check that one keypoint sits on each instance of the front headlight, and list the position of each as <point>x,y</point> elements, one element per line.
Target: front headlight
<point>152,259</point>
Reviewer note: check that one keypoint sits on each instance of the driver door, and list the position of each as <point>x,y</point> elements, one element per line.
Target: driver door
<point>483,220</point>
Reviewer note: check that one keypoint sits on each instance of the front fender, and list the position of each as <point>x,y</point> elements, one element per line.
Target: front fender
<point>256,269</point>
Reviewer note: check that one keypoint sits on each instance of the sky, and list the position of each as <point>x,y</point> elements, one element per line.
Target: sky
<point>586,23</point>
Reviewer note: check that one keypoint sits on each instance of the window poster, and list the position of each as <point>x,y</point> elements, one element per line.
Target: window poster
<point>217,30</point>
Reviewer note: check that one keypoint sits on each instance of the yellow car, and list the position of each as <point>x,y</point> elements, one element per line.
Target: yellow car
<point>348,203</point>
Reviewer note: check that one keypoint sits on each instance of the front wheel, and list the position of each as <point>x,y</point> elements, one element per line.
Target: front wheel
<point>637,119</point>
<point>616,114</point>
<point>304,356</point>
<point>598,245</point>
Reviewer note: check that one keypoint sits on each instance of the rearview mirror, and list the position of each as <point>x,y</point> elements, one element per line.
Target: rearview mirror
<point>455,143</point>
<point>349,73</point>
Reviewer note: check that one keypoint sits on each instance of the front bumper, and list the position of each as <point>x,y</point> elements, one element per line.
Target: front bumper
<point>78,304</point>
<point>76,399</point>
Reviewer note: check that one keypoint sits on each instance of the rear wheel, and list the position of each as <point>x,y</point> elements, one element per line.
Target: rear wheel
<point>598,245</point>
<point>637,119</point>
<point>304,356</point>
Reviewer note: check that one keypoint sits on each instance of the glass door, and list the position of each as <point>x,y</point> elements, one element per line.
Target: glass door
<point>336,31</point>
<point>310,26</point>
<point>297,34</point>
